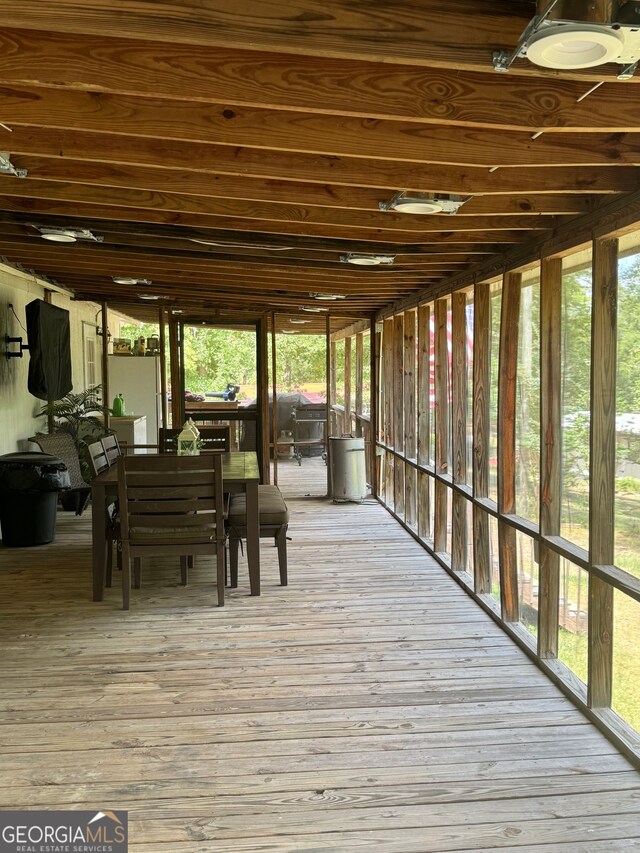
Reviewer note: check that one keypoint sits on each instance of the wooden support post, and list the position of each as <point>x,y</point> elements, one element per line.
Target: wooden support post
<point>550,451</point>
<point>330,379</point>
<point>507,375</point>
<point>105,365</point>
<point>174,362</point>
<point>387,349</point>
<point>409,415</point>
<point>459,392</point>
<point>374,409</point>
<point>481,382</point>
<point>398,411</point>
<point>423,416</point>
<point>274,398</point>
<point>442,424</point>
<point>263,401</point>
<point>347,385</point>
<point>359,380</point>
<point>423,401</point>
<point>163,368</point>
<point>603,467</point>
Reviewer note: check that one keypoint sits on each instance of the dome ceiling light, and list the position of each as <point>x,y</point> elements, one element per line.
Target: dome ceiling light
<point>366,260</point>
<point>425,203</point>
<point>67,235</point>
<point>608,32</point>
<point>125,279</point>
<point>327,297</point>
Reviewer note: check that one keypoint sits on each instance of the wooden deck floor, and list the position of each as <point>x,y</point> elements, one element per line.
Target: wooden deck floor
<point>368,706</point>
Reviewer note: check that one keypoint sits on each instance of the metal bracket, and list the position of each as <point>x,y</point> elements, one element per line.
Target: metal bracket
<point>502,59</point>
<point>628,72</point>
<point>9,340</point>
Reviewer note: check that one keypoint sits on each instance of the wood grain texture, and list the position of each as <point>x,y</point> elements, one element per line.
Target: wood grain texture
<point>550,451</point>
<point>150,69</point>
<point>423,403</point>
<point>359,705</point>
<point>460,36</point>
<point>507,375</point>
<point>602,467</point>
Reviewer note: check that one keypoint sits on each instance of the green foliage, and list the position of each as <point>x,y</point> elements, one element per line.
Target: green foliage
<point>74,414</point>
<point>628,485</point>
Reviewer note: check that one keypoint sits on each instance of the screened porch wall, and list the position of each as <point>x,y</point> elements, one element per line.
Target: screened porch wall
<point>508,443</point>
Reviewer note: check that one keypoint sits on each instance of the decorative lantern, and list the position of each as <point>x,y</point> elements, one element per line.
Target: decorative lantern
<point>187,442</point>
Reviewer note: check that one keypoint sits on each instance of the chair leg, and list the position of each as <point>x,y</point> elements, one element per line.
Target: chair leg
<point>137,572</point>
<point>281,540</point>
<point>126,576</point>
<point>109,572</point>
<point>220,570</point>
<point>234,542</point>
<point>184,570</point>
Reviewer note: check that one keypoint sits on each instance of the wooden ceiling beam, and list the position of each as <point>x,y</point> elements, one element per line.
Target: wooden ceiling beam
<point>67,201</point>
<point>171,226</point>
<point>284,82</point>
<point>460,37</point>
<point>255,199</point>
<point>23,237</point>
<point>438,144</point>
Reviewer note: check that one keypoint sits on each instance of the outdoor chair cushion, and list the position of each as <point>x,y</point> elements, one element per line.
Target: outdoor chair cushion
<point>273,509</point>
<point>194,535</point>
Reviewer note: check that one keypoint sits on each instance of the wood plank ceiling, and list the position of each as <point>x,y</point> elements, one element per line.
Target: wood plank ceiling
<point>232,152</point>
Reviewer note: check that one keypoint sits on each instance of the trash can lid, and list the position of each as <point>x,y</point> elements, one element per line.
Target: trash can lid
<point>33,457</point>
<point>32,471</point>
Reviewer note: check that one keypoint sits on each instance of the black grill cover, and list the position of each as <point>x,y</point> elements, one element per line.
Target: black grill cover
<point>49,350</point>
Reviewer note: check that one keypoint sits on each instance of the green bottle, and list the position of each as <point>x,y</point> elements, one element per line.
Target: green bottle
<point>118,406</point>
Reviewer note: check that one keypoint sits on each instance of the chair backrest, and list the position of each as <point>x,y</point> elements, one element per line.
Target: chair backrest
<point>62,445</point>
<point>212,439</point>
<point>97,457</point>
<point>111,448</point>
<point>170,499</point>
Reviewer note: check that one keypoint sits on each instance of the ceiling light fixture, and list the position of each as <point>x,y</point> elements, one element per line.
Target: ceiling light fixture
<point>7,167</point>
<point>424,203</point>
<point>67,235</point>
<point>366,260</point>
<point>150,296</point>
<point>123,279</point>
<point>327,297</point>
<point>298,322</point>
<point>313,309</point>
<point>607,32</point>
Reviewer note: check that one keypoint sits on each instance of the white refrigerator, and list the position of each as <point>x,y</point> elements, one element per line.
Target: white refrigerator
<point>137,378</point>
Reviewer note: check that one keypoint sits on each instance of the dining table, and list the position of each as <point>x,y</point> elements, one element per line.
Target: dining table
<point>240,473</point>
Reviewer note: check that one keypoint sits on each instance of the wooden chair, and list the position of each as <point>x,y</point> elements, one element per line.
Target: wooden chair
<point>111,448</point>
<point>170,505</point>
<point>212,438</point>
<point>274,523</point>
<point>99,462</point>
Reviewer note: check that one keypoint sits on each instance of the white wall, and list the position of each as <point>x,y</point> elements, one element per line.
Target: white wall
<point>17,406</point>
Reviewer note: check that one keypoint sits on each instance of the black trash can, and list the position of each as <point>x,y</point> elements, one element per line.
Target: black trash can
<point>29,486</point>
